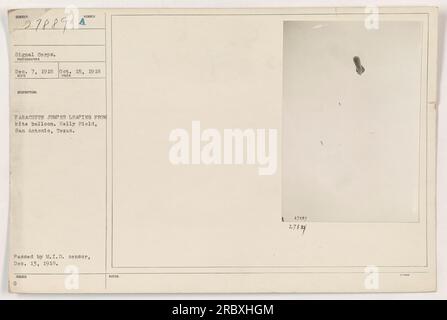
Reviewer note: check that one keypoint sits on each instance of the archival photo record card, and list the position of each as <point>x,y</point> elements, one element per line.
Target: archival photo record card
<point>223,150</point>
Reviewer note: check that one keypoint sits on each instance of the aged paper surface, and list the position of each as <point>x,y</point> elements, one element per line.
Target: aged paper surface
<point>223,150</point>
